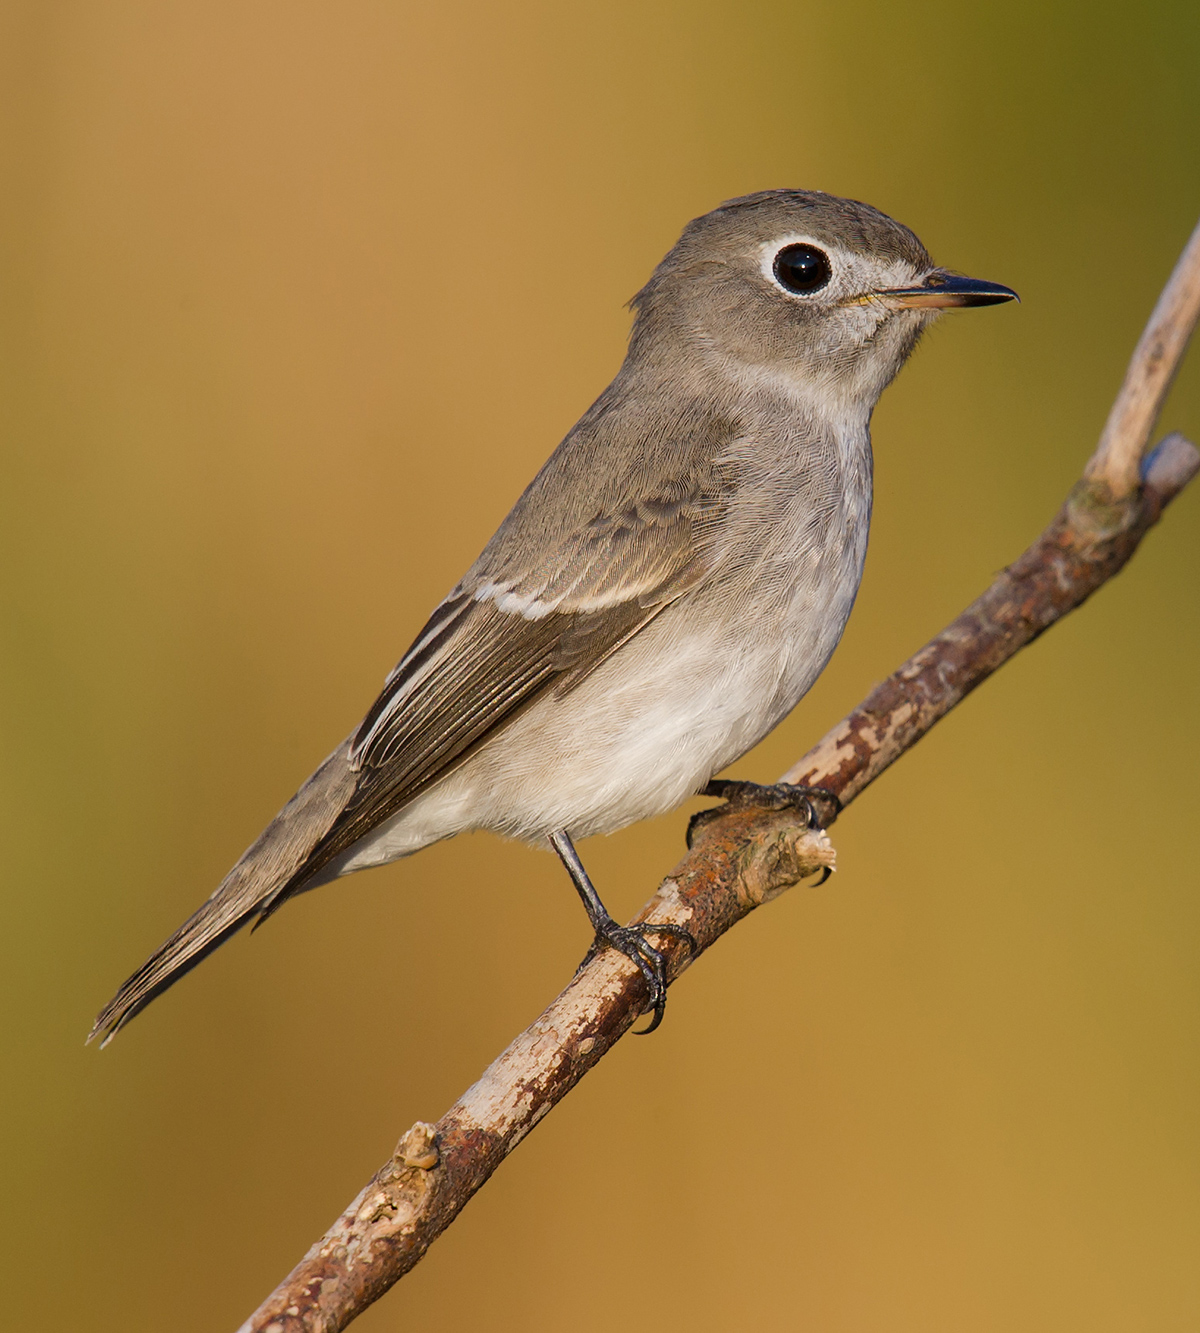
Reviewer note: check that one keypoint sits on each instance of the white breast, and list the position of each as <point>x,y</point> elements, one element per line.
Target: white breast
<point>686,697</point>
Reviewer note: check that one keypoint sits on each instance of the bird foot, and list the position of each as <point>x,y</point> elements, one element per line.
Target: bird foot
<point>632,942</point>
<point>818,805</point>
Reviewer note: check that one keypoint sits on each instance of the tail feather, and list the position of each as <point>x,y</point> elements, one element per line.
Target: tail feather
<point>277,860</point>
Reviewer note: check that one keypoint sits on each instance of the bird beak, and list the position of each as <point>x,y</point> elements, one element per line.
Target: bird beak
<point>940,290</point>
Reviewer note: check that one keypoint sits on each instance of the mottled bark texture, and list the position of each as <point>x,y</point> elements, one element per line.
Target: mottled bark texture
<point>746,856</point>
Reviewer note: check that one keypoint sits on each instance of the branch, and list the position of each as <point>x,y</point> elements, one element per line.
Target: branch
<point>1156,359</point>
<point>745,857</point>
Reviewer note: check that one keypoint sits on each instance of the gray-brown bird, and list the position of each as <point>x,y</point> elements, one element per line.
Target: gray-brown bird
<point>665,591</point>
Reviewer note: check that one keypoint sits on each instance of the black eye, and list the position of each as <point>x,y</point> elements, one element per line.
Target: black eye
<point>802,269</point>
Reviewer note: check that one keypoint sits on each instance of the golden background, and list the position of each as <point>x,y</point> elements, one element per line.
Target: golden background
<point>298,297</point>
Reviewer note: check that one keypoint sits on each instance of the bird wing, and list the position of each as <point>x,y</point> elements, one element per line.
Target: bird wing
<point>573,573</point>
<point>519,625</point>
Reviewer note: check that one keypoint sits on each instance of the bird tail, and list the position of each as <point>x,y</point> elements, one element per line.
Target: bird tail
<point>276,862</point>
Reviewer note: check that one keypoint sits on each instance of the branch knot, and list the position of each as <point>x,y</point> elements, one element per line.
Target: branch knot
<point>780,855</point>
<point>418,1147</point>
<point>1095,514</point>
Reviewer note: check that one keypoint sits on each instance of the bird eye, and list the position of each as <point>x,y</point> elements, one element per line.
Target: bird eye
<point>802,269</point>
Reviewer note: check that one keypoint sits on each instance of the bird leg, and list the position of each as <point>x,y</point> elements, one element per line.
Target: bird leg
<point>776,796</point>
<point>629,940</point>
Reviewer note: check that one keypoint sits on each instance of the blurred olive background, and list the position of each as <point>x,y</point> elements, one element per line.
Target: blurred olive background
<point>297,298</point>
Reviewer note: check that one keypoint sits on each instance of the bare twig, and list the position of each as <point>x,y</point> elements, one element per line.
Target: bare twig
<point>1127,432</point>
<point>745,857</point>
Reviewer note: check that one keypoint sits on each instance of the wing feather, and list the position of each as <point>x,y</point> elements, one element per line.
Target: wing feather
<point>520,624</point>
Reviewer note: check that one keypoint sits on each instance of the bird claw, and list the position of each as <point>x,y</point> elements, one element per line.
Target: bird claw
<point>774,796</point>
<point>632,942</point>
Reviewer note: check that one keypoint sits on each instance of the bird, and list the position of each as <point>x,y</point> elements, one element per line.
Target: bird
<point>663,593</point>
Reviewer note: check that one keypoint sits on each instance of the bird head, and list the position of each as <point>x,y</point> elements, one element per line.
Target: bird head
<point>826,294</point>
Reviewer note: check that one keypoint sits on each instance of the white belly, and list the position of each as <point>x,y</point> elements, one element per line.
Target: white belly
<point>686,697</point>
<point>692,692</point>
